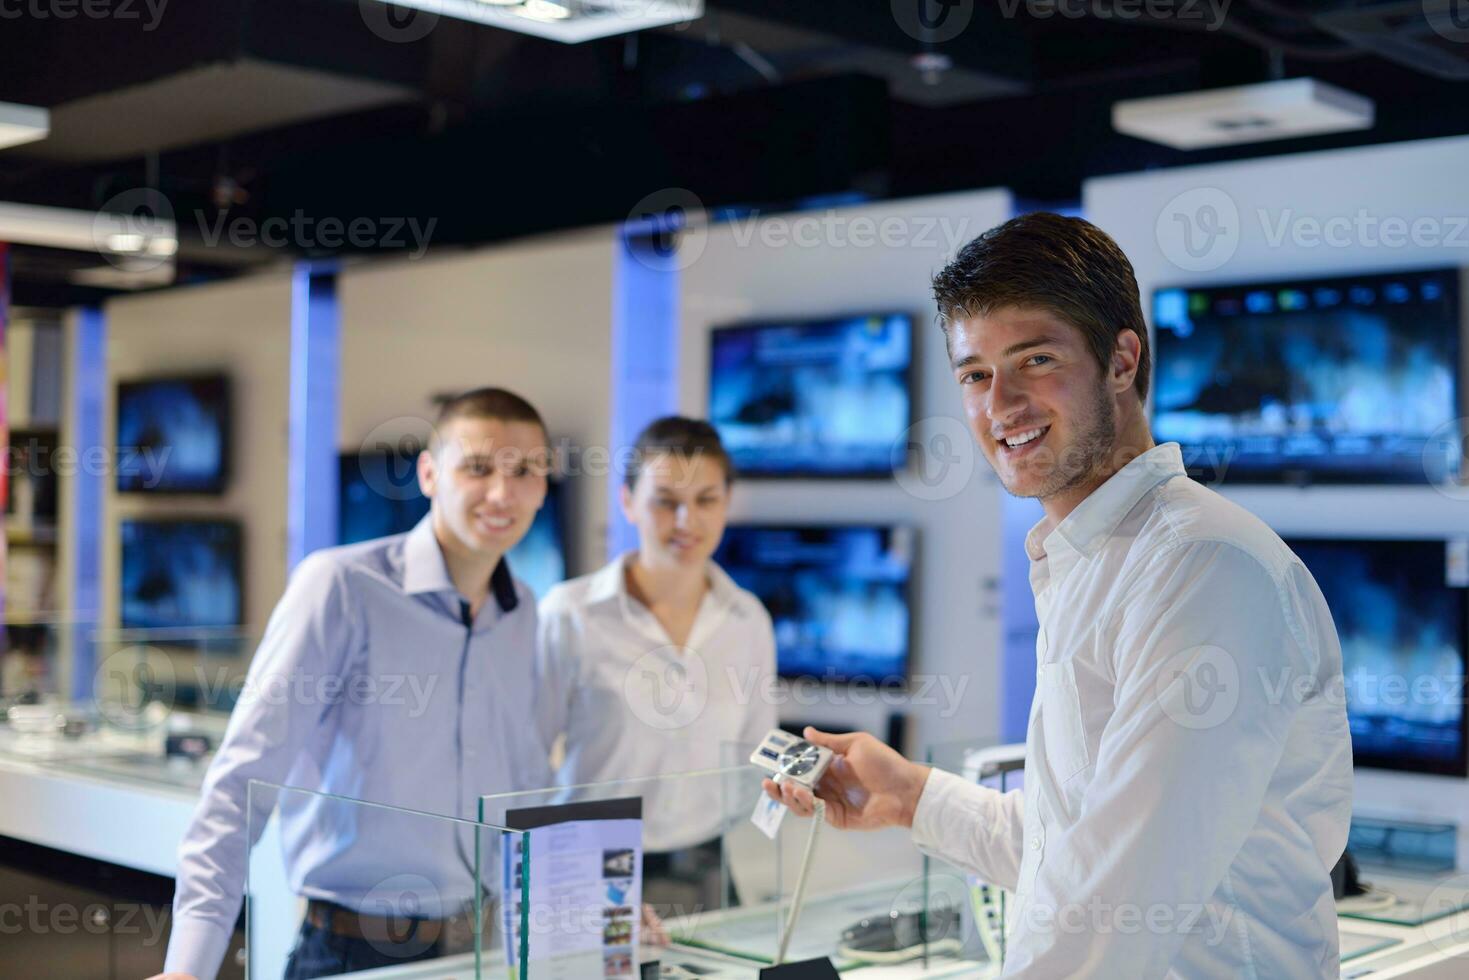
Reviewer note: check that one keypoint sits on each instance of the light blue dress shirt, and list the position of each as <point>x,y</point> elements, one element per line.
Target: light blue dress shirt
<point>368,684</point>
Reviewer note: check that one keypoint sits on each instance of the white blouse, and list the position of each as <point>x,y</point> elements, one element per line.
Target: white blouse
<point>631,703</point>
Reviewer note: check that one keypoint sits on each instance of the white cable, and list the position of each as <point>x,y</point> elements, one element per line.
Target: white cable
<point>799,898</point>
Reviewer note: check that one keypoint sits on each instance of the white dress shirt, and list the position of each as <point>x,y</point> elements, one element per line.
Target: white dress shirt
<point>1188,776</point>
<point>631,703</point>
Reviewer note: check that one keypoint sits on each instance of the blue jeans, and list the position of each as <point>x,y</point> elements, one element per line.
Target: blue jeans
<point>319,953</point>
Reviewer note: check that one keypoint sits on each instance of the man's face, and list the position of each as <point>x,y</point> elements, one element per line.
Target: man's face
<point>487,479</point>
<point>679,505</point>
<point>1036,399</point>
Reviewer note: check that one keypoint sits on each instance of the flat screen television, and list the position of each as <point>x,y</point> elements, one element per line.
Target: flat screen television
<point>1344,380</point>
<point>1400,612</point>
<point>379,495</point>
<point>173,435</point>
<point>180,574</point>
<point>838,595</point>
<point>814,398</point>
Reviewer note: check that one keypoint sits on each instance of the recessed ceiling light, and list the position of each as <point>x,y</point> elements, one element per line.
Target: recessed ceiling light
<point>545,10</point>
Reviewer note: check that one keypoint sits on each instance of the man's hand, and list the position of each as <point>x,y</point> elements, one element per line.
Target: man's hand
<point>654,933</point>
<point>866,787</point>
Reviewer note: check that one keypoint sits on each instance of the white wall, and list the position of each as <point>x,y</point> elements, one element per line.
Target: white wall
<point>874,258</point>
<point>1421,182</point>
<point>533,316</point>
<point>241,328</point>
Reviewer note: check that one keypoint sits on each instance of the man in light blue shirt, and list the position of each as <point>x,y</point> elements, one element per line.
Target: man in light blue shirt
<point>397,671</point>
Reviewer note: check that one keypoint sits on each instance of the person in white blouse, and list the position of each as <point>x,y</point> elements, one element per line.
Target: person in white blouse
<point>1188,769</point>
<point>659,663</point>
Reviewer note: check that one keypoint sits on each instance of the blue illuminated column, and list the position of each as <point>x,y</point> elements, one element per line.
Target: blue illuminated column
<point>644,383</point>
<point>311,481</point>
<point>88,398</point>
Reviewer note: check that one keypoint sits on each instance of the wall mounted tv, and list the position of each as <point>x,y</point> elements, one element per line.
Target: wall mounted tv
<point>838,595</point>
<point>814,398</point>
<point>1345,380</point>
<point>378,495</point>
<point>180,574</point>
<point>173,435</point>
<point>1400,612</point>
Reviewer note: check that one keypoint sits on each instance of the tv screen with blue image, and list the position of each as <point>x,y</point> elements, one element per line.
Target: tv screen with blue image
<point>180,574</point>
<point>838,595</point>
<point>173,435</point>
<point>1399,609</point>
<point>813,398</point>
<point>1346,380</point>
<point>378,495</point>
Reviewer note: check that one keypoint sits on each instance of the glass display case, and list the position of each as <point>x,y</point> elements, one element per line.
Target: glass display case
<point>724,890</point>
<point>391,892</point>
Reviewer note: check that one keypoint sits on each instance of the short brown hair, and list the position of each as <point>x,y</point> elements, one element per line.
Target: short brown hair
<point>487,403</point>
<point>1067,266</point>
<point>682,437</point>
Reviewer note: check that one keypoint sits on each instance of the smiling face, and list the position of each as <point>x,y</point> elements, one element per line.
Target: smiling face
<point>486,478</point>
<point>679,504</point>
<point>1037,401</point>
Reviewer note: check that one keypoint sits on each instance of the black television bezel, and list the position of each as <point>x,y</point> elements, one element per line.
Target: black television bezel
<point>556,492</point>
<point>1305,477</point>
<point>907,592</point>
<point>910,383</point>
<point>1459,767</point>
<point>237,529</point>
<point>226,423</point>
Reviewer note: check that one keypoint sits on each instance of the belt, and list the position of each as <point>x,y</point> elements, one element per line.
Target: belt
<point>457,930</point>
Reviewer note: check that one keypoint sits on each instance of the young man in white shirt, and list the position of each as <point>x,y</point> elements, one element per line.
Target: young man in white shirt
<point>1188,773</point>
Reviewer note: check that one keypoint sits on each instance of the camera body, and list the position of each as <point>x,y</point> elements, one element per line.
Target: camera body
<point>790,757</point>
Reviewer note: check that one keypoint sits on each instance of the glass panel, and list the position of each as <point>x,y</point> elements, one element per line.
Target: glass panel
<point>1406,899</point>
<point>967,914</point>
<point>867,895</point>
<point>344,887</point>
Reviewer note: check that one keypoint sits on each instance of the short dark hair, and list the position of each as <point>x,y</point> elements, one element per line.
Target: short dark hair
<point>487,403</point>
<point>1067,266</point>
<point>682,437</point>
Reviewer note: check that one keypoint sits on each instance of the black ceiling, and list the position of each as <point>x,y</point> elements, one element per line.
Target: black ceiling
<point>493,135</point>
